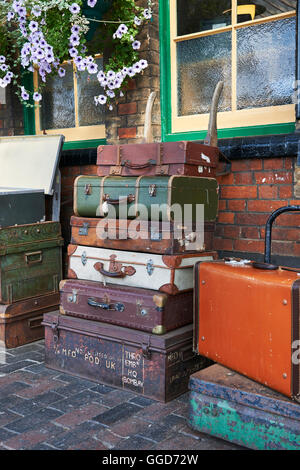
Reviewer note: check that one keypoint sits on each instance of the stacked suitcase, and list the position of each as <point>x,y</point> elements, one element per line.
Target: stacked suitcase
<point>30,246</point>
<point>126,315</point>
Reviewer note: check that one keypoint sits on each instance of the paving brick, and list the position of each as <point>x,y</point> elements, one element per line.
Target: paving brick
<point>7,369</point>
<point>41,370</point>
<point>71,379</point>
<point>142,401</point>
<point>40,387</point>
<point>34,420</point>
<point>103,389</point>
<point>157,411</point>
<point>26,440</point>
<point>130,427</point>
<point>75,436</point>
<point>157,433</point>
<point>107,438</point>
<point>7,417</point>
<point>88,444</point>
<point>135,443</point>
<point>174,422</point>
<point>11,401</point>
<point>78,416</point>
<point>35,357</point>
<point>75,401</point>
<point>71,389</point>
<point>11,388</point>
<point>43,446</point>
<point>119,412</point>
<point>117,397</point>
<point>5,434</point>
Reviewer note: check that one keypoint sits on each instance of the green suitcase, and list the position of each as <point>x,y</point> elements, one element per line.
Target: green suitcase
<point>149,197</point>
<point>30,261</point>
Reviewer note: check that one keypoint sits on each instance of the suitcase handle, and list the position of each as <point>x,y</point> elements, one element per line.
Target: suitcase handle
<point>136,166</point>
<point>35,261</point>
<point>268,236</point>
<point>125,271</point>
<point>117,307</point>
<point>32,321</point>
<point>126,199</point>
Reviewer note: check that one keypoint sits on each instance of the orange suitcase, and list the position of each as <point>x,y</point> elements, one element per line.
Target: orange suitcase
<point>247,318</point>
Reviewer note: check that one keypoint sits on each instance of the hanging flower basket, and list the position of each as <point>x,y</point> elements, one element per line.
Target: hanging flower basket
<point>43,34</point>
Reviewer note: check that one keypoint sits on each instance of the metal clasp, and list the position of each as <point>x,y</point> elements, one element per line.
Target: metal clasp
<point>152,190</point>
<point>146,349</point>
<point>73,297</point>
<point>55,331</point>
<point>84,230</point>
<point>84,258</point>
<point>88,189</point>
<point>150,267</point>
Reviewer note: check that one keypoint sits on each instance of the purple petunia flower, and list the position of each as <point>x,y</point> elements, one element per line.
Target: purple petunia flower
<point>74,8</point>
<point>21,11</point>
<point>24,94</point>
<point>143,63</point>
<point>73,52</point>
<point>102,99</point>
<point>137,67</point>
<point>3,67</point>
<point>74,40</point>
<point>36,10</point>
<point>91,3</point>
<point>147,13</point>
<point>137,21</point>
<point>75,29</point>
<point>123,28</point>
<point>10,15</point>
<point>37,96</point>
<point>92,68</point>
<point>2,59</point>
<point>61,72</point>
<point>33,26</point>
<point>110,93</point>
<point>136,45</point>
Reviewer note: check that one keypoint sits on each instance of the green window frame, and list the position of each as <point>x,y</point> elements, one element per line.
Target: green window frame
<point>166,107</point>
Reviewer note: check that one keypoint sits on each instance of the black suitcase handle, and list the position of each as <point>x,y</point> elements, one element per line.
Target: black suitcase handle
<point>268,238</point>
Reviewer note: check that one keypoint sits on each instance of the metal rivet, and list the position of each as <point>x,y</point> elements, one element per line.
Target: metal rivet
<point>284,375</point>
<point>203,338</point>
<point>38,230</point>
<point>203,282</point>
<point>26,232</point>
<point>285,302</point>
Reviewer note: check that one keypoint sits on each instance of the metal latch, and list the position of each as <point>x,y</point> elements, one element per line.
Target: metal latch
<point>55,331</point>
<point>150,267</point>
<point>73,297</point>
<point>146,349</point>
<point>84,230</point>
<point>88,189</point>
<point>84,258</point>
<point>152,190</point>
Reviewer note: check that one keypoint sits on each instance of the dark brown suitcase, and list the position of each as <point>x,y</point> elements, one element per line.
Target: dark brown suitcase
<point>168,158</point>
<point>152,237</point>
<point>141,309</point>
<point>157,367</point>
<point>21,322</point>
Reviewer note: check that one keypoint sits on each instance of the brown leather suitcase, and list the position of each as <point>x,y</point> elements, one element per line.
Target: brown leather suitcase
<point>160,159</point>
<point>247,318</point>
<point>150,237</point>
<point>155,366</point>
<point>21,322</point>
<point>141,309</point>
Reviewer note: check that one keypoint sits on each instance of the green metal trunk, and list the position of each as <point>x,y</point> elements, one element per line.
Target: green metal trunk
<point>30,261</point>
<point>150,198</point>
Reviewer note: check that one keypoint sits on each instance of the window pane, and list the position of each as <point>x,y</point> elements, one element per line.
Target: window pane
<point>88,87</point>
<point>249,10</point>
<point>201,15</point>
<point>202,62</point>
<point>266,64</point>
<point>57,110</point>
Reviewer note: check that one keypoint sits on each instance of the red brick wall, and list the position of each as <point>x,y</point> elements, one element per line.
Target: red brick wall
<point>248,195</point>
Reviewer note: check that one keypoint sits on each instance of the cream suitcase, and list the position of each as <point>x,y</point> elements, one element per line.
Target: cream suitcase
<point>171,274</point>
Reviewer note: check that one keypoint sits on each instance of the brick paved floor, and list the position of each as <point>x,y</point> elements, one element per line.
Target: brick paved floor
<point>41,409</point>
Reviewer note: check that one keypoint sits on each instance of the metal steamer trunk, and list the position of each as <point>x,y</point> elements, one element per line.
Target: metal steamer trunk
<point>30,261</point>
<point>155,366</point>
<point>21,322</point>
<point>131,307</point>
<point>227,405</point>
